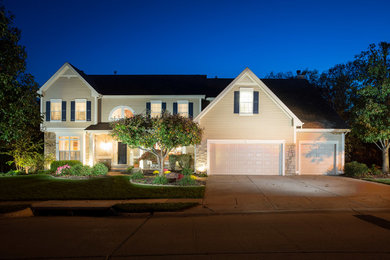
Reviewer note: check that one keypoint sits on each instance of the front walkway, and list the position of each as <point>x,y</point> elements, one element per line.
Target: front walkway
<point>293,193</point>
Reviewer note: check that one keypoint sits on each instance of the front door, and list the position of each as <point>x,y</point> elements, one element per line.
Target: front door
<point>122,153</point>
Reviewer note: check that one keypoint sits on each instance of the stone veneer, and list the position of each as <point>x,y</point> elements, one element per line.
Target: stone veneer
<point>201,155</point>
<point>290,159</point>
<point>50,143</point>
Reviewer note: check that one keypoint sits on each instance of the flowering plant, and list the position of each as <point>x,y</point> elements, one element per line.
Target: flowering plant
<point>155,172</point>
<point>60,170</point>
<point>166,172</point>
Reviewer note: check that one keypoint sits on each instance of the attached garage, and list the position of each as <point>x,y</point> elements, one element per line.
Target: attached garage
<point>246,157</point>
<point>318,158</point>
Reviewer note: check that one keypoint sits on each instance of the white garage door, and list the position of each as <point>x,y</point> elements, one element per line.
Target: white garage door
<point>239,158</point>
<point>318,158</point>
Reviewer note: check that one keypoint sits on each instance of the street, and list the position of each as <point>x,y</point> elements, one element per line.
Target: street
<point>295,235</point>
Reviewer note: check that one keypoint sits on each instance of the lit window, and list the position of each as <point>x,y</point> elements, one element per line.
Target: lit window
<point>121,112</point>
<point>155,108</point>
<point>55,109</point>
<point>246,101</point>
<point>81,109</point>
<point>69,147</point>
<point>182,108</point>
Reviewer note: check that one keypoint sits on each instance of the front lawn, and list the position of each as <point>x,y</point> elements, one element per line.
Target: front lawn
<point>379,180</point>
<point>45,187</point>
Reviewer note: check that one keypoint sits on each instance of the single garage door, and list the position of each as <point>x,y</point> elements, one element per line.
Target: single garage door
<point>318,158</point>
<point>246,159</point>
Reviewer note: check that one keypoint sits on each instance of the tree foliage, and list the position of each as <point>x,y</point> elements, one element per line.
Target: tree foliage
<point>371,111</point>
<point>157,135</point>
<point>19,107</point>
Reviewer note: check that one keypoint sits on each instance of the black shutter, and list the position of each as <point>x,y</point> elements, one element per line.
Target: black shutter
<point>88,110</point>
<point>236,102</point>
<point>163,107</point>
<point>174,108</point>
<point>63,111</point>
<point>191,109</point>
<point>72,110</point>
<point>255,102</point>
<point>47,110</point>
<point>148,108</point>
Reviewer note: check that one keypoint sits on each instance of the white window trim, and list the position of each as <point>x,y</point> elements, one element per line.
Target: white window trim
<point>110,119</point>
<point>181,102</point>
<point>155,102</point>
<point>246,89</point>
<point>75,110</point>
<point>56,101</point>
<point>69,134</point>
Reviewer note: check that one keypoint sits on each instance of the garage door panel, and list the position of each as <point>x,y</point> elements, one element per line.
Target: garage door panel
<point>245,159</point>
<point>318,158</point>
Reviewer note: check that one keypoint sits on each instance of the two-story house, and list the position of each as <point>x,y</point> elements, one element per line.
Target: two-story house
<point>251,126</point>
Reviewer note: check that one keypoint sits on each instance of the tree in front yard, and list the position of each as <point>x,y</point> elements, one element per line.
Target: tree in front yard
<point>157,135</point>
<point>371,109</point>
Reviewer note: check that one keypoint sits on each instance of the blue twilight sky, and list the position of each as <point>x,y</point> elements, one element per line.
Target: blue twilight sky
<point>217,38</point>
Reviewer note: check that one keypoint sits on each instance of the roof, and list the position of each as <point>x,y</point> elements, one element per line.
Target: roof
<point>99,126</point>
<point>298,95</point>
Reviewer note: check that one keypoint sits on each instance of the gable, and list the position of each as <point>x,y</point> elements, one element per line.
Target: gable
<point>248,79</point>
<point>67,71</point>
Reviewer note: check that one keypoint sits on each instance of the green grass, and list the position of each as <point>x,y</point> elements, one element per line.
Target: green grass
<point>379,180</point>
<point>12,208</point>
<point>44,187</point>
<point>153,207</point>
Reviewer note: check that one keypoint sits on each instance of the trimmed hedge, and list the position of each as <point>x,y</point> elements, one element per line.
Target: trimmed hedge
<point>55,164</point>
<point>355,169</point>
<point>99,169</point>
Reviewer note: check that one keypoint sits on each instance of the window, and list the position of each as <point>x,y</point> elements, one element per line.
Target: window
<point>182,108</point>
<point>55,109</point>
<point>81,109</point>
<point>246,101</point>
<point>69,147</point>
<point>155,108</point>
<point>120,112</point>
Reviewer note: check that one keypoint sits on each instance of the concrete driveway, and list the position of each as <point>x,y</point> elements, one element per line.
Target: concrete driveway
<point>236,193</point>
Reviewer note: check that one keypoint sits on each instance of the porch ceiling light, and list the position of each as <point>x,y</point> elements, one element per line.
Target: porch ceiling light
<point>106,146</point>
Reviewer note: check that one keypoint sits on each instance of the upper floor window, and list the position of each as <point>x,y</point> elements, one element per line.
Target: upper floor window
<point>81,109</point>
<point>120,112</point>
<point>246,101</point>
<point>155,108</point>
<point>55,109</point>
<point>182,108</point>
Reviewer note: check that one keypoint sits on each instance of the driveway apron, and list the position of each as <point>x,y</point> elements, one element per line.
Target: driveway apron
<point>253,193</point>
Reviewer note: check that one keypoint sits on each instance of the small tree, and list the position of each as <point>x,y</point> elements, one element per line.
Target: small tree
<point>157,135</point>
<point>372,106</point>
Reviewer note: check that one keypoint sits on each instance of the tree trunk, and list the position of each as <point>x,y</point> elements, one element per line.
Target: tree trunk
<point>385,158</point>
<point>162,166</point>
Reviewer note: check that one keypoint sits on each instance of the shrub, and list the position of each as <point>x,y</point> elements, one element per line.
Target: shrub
<point>202,174</point>
<point>160,180</point>
<point>137,175</point>
<point>12,173</point>
<point>375,170</point>
<point>187,180</point>
<point>63,170</point>
<point>99,169</point>
<point>54,165</point>
<point>172,162</point>
<point>80,170</point>
<point>185,160</point>
<point>129,169</point>
<point>186,171</point>
<point>355,169</point>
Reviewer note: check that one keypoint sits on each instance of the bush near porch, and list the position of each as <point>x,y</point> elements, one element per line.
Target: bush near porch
<point>46,187</point>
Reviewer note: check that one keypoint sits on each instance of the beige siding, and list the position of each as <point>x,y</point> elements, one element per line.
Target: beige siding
<point>270,124</point>
<point>322,137</point>
<point>68,89</point>
<point>138,104</point>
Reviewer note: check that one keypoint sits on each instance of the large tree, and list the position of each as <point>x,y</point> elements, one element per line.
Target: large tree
<point>371,111</point>
<point>157,135</point>
<point>19,107</point>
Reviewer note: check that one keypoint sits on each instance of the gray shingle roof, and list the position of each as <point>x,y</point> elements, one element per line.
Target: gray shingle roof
<point>298,95</point>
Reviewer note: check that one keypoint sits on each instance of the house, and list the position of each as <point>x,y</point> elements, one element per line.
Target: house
<point>251,126</point>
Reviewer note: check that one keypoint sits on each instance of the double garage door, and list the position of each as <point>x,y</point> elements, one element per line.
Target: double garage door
<point>246,158</point>
<point>241,157</point>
